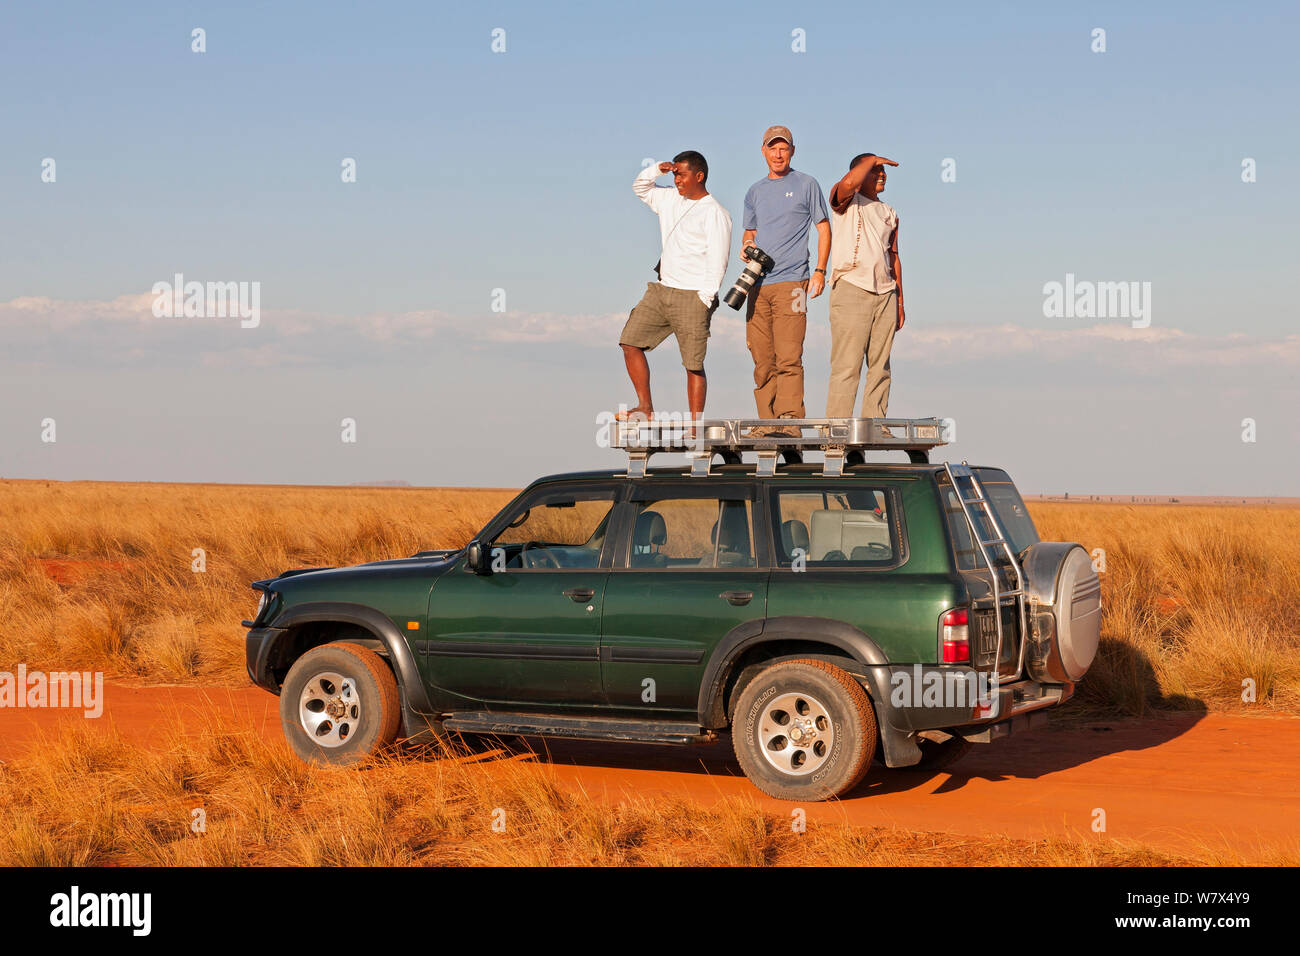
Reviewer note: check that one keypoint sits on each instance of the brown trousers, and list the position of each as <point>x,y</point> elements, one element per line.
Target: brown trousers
<point>775,321</point>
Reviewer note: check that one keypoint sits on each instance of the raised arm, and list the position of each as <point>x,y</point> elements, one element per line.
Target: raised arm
<point>842,192</point>
<point>644,184</point>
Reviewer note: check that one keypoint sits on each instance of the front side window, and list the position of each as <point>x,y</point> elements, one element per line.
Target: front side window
<point>835,526</point>
<point>690,533</point>
<point>555,530</point>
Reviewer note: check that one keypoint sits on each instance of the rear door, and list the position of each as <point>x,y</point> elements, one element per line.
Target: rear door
<point>692,565</point>
<point>841,554</point>
<point>1021,533</point>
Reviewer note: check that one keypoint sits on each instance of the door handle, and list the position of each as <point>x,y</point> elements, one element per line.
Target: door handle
<point>579,595</point>
<point>738,598</point>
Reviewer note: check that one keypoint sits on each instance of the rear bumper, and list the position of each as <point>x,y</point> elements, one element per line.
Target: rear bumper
<point>1016,724</point>
<point>258,648</point>
<point>929,697</point>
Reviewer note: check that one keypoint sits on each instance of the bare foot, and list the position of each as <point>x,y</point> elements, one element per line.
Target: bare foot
<point>638,414</point>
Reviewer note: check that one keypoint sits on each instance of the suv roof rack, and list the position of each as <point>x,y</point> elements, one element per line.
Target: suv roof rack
<point>843,440</point>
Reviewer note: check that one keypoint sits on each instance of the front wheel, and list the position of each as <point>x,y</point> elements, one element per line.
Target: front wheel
<point>804,730</point>
<point>339,704</point>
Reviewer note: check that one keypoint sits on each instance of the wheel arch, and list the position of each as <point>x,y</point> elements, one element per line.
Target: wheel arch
<point>756,642</point>
<point>324,622</point>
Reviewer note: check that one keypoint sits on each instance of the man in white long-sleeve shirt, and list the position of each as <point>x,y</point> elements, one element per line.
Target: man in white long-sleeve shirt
<point>696,234</point>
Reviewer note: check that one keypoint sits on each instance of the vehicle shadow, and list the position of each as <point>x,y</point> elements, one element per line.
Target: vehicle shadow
<point>1124,711</point>
<point>1083,730</point>
<point>708,759</point>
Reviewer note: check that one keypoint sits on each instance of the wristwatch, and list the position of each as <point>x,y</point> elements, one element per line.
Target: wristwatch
<point>822,271</point>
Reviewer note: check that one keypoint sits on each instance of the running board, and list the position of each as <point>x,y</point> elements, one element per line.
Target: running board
<point>579,728</point>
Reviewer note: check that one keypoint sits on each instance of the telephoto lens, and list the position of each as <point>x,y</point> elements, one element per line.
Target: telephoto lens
<point>759,265</point>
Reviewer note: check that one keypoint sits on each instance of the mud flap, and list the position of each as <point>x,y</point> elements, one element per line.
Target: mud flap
<point>419,728</point>
<point>898,747</point>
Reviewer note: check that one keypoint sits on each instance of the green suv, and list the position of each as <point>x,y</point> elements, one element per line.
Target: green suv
<point>821,614</point>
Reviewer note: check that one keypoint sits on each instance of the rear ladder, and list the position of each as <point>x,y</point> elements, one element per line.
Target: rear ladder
<point>979,498</point>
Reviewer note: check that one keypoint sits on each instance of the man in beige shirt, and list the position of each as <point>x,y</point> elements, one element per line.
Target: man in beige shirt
<point>866,288</point>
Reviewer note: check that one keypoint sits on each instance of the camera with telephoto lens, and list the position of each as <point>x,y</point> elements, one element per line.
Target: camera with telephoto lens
<point>759,265</point>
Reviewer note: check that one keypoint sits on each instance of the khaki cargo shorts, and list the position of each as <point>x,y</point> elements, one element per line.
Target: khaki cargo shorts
<point>665,311</point>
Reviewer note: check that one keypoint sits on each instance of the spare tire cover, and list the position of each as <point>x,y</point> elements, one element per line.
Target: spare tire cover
<point>1078,613</point>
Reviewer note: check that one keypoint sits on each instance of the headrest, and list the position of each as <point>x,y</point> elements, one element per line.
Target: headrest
<point>650,529</point>
<point>794,534</point>
<point>730,538</point>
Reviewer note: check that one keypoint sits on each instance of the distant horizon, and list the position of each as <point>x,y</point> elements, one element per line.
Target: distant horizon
<point>1051,496</point>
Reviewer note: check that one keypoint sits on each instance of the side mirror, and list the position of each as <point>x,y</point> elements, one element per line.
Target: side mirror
<point>474,558</point>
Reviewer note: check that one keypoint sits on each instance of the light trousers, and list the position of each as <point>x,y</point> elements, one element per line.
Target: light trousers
<point>862,327</point>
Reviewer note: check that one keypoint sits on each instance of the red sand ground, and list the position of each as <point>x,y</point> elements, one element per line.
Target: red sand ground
<point>1180,783</point>
<point>69,571</point>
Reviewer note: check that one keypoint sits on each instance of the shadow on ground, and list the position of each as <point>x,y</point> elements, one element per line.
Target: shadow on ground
<point>1083,730</point>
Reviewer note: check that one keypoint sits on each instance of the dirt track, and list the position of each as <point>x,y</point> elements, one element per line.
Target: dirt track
<point>1187,782</point>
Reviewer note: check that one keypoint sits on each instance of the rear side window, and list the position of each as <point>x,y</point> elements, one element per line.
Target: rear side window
<point>835,526</point>
<point>1007,505</point>
<point>687,534</point>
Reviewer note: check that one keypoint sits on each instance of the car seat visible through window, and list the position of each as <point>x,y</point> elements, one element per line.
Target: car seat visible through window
<point>650,534</point>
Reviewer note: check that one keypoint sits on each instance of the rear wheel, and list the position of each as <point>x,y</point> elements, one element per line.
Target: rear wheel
<point>339,704</point>
<point>804,730</point>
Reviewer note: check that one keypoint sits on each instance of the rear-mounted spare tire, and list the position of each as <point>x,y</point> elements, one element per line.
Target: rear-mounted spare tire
<point>1065,608</point>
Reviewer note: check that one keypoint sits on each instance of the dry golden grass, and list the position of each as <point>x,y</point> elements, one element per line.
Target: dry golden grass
<point>1196,599</point>
<point>134,806</point>
<point>130,603</point>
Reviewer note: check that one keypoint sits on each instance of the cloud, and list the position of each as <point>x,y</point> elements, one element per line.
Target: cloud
<point>123,330</point>
<point>1151,348</point>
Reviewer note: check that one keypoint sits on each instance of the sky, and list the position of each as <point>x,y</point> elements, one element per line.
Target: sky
<point>502,178</point>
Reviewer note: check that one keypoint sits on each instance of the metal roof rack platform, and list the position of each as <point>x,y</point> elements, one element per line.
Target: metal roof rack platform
<point>842,440</point>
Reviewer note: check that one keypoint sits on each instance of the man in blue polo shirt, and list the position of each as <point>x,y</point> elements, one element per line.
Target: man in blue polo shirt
<point>779,211</point>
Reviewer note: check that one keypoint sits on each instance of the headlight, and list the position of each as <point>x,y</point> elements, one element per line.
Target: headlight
<point>261,605</point>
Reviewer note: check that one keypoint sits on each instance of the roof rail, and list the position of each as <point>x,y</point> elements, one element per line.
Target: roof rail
<point>842,440</point>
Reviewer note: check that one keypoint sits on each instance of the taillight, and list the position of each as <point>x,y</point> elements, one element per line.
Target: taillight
<point>954,635</point>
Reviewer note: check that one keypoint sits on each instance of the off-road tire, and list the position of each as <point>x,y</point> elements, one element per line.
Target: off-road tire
<point>831,692</point>
<point>372,720</point>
